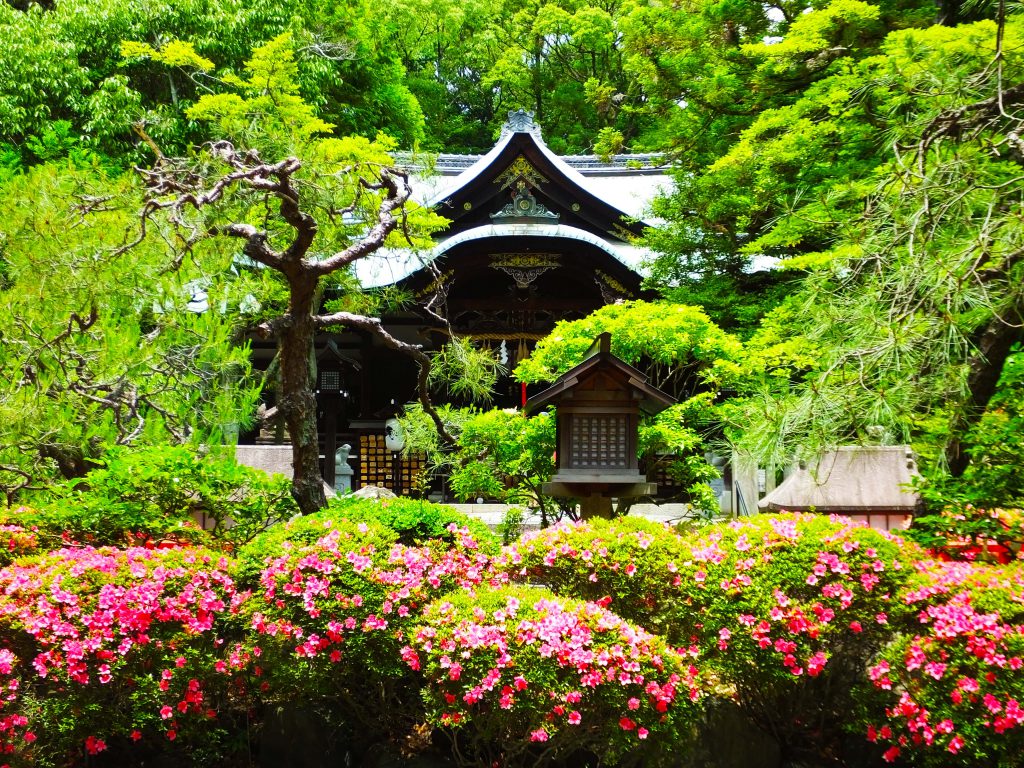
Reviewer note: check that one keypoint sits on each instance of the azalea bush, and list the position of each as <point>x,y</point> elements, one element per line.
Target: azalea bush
<point>333,605</point>
<point>785,610</point>
<point>16,538</point>
<point>520,677</point>
<point>951,690</point>
<point>961,531</point>
<point>626,564</point>
<point>639,634</point>
<point>119,650</point>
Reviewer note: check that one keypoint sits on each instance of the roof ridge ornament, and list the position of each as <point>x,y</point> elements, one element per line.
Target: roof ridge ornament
<point>520,121</point>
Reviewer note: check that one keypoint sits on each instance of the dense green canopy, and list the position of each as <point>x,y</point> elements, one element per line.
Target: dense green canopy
<point>871,148</point>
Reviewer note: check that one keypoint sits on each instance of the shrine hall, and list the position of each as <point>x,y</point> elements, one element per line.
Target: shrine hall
<point>534,238</point>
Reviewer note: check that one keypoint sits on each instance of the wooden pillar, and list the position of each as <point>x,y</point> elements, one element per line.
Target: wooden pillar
<point>596,505</point>
<point>330,404</point>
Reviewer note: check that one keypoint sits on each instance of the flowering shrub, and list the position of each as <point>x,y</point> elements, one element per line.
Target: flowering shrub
<point>626,564</point>
<point>334,603</point>
<point>103,649</point>
<point>785,610</point>
<point>14,733</point>
<point>952,689</point>
<point>966,532</point>
<point>520,677</point>
<point>805,622</point>
<point>16,540</point>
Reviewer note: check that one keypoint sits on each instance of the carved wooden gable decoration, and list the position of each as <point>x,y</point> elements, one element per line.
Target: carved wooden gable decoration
<point>525,172</point>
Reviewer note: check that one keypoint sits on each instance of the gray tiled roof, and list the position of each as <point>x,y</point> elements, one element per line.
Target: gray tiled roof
<point>850,479</point>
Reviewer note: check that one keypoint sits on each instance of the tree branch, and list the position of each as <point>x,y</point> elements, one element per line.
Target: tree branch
<point>174,186</point>
<point>395,184</point>
<point>955,122</point>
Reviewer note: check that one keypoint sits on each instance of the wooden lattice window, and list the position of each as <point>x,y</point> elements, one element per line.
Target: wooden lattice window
<point>376,465</point>
<point>409,469</point>
<point>667,484</point>
<point>374,461</point>
<point>330,381</point>
<point>599,441</point>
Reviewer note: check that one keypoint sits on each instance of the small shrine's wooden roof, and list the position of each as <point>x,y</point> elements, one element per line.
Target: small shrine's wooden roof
<point>600,359</point>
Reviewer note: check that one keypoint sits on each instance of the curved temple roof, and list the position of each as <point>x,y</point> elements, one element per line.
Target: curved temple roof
<point>581,198</point>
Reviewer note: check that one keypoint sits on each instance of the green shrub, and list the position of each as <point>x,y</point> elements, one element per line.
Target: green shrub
<point>157,493</point>
<point>517,676</point>
<point>416,522</point>
<point>511,527</point>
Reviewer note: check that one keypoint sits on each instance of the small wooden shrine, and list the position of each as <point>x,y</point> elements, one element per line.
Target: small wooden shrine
<point>599,404</point>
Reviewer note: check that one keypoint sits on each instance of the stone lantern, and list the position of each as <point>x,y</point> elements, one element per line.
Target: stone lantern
<point>599,403</point>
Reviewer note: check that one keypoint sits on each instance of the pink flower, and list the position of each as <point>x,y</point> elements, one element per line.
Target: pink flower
<point>166,712</point>
<point>539,735</point>
<point>574,718</point>
<point>816,664</point>
<point>641,733</point>
<point>723,638</point>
